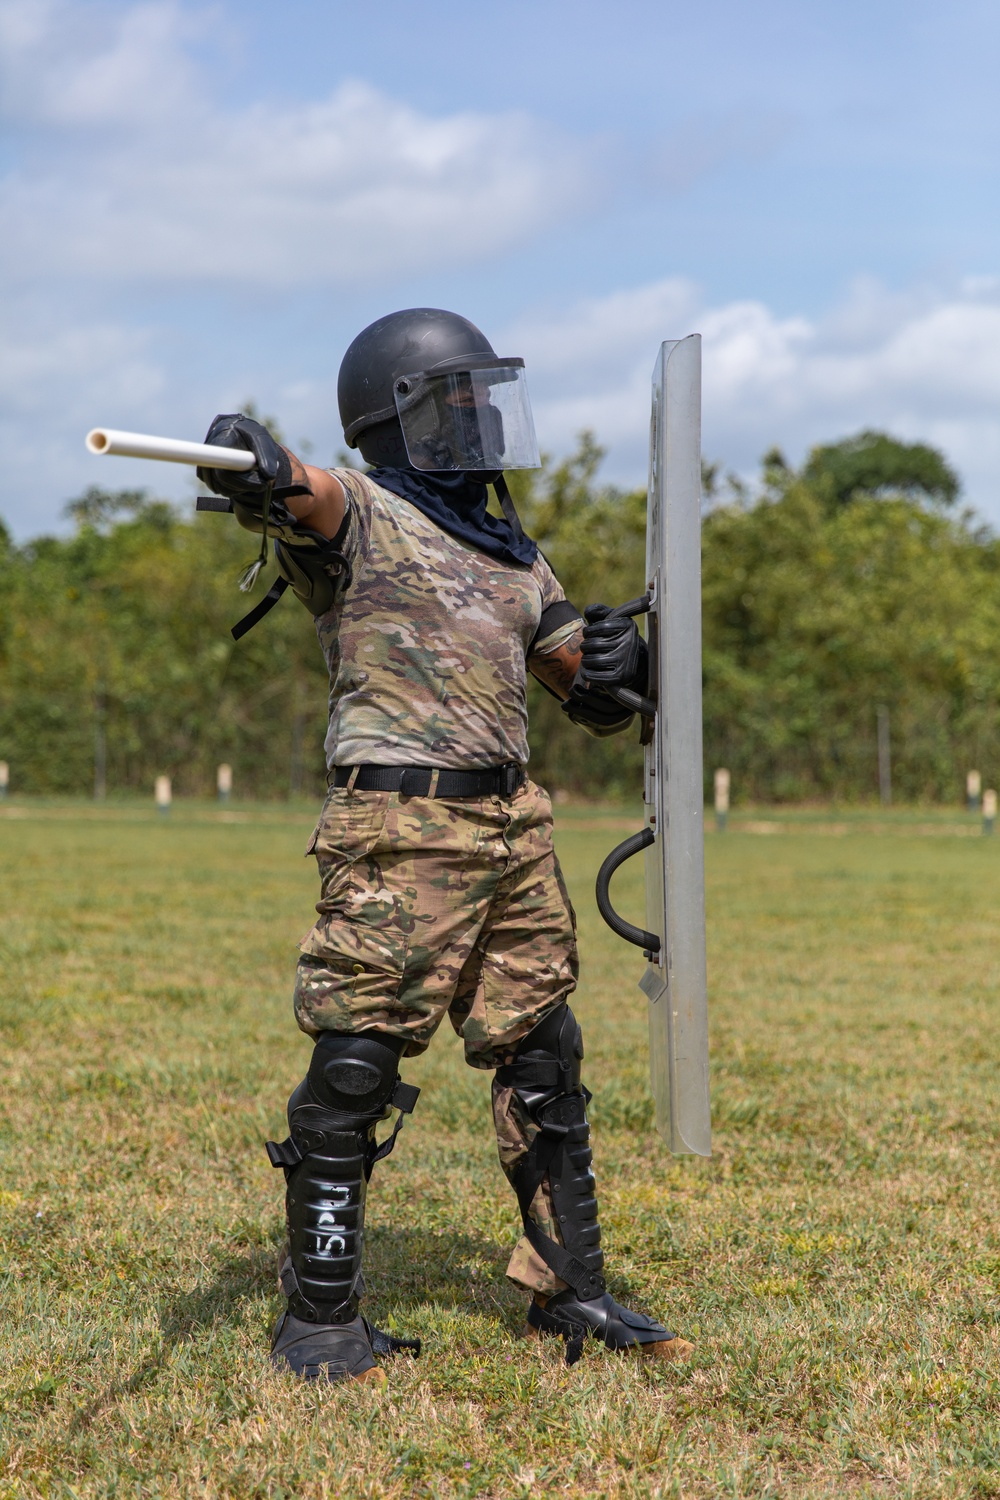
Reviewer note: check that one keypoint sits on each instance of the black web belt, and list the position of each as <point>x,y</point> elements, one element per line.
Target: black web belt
<point>416,781</point>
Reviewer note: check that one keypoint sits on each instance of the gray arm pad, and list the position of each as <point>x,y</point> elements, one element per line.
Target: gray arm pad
<point>316,574</point>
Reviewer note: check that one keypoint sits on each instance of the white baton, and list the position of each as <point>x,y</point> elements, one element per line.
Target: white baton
<point>168,450</point>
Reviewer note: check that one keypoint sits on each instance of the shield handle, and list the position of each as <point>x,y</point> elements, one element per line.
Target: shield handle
<point>634,844</point>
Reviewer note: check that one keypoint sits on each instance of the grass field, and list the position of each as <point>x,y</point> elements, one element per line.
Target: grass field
<point>837,1261</point>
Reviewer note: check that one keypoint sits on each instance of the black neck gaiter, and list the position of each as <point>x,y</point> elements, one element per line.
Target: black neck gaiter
<point>457,503</point>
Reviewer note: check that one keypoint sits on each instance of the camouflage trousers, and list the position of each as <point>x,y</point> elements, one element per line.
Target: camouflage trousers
<point>432,907</point>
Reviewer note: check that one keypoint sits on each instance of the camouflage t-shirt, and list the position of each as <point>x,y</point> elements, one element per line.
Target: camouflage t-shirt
<point>427,645</point>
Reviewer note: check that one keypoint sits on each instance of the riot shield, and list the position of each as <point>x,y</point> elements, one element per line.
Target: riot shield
<point>673,793</point>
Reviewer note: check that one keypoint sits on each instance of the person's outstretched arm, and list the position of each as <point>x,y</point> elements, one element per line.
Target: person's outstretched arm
<point>321,506</point>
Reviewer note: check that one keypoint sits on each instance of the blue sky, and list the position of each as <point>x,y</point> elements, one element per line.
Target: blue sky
<point>205,202</point>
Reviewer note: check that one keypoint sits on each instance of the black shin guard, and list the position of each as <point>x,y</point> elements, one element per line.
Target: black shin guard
<point>327,1160</point>
<point>545,1077</point>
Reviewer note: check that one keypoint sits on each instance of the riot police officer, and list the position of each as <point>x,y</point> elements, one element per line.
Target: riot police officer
<point>440,889</point>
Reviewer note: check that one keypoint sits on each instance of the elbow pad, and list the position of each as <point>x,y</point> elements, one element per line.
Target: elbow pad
<point>311,563</point>
<point>316,573</point>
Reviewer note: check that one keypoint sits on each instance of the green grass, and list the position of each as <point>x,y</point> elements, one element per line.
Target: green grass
<point>837,1261</point>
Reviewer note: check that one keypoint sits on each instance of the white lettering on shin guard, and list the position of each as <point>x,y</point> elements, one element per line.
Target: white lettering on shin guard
<point>328,1234</point>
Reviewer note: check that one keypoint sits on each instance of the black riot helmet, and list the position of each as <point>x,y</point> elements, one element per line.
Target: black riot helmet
<point>423,389</point>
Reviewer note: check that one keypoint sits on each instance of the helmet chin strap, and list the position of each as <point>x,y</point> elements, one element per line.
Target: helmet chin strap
<point>507,506</point>
<point>495,477</point>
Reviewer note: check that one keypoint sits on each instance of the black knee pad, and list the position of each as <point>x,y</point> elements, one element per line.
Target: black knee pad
<point>557,1032</point>
<point>548,1058</point>
<point>354,1074</point>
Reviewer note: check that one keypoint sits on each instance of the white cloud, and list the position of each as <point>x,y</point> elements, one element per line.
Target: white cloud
<point>52,386</point>
<point>133,172</point>
<point>921,364</point>
<point>925,364</point>
<point>65,65</point>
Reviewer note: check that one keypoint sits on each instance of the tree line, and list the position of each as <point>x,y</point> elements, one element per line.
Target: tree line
<point>850,584</point>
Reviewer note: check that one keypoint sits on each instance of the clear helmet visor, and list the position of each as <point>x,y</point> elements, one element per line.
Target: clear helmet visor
<point>468,419</point>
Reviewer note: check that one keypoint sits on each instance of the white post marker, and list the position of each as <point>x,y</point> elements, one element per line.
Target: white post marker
<point>109,440</point>
<point>224,781</point>
<point>721,798</point>
<point>4,778</point>
<point>973,788</point>
<point>163,793</point>
<point>989,811</point>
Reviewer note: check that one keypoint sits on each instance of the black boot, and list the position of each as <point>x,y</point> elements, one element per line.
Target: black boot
<point>328,1159</point>
<point>545,1077</point>
<point>617,1327</point>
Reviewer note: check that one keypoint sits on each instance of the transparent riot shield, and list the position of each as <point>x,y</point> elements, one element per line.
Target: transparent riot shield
<point>674,939</point>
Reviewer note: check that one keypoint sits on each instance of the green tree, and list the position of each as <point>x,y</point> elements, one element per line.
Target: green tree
<point>815,614</point>
<point>874,464</point>
<point>822,599</point>
<point>123,630</point>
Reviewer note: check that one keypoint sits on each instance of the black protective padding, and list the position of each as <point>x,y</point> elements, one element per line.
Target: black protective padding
<point>316,573</point>
<point>345,1352</point>
<point>312,565</point>
<point>572,1318</point>
<point>356,1074</point>
<point>545,1076</point>
<point>325,1205</point>
<point>328,1158</point>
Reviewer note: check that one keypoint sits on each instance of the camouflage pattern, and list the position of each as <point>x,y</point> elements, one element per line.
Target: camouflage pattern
<point>515,1133</point>
<point>430,908</point>
<point>426,646</point>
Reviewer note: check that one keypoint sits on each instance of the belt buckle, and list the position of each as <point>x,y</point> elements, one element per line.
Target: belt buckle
<point>510,779</point>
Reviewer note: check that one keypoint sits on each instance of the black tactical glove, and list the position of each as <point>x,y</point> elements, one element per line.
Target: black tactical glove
<point>614,653</point>
<point>273,463</point>
<point>595,712</point>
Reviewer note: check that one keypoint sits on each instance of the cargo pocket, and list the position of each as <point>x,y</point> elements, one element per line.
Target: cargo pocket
<point>349,974</point>
<point>350,826</point>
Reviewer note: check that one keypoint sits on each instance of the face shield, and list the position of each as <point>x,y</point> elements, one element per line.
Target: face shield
<point>459,417</point>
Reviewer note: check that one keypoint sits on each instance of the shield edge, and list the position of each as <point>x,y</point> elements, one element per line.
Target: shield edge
<point>676,982</point>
